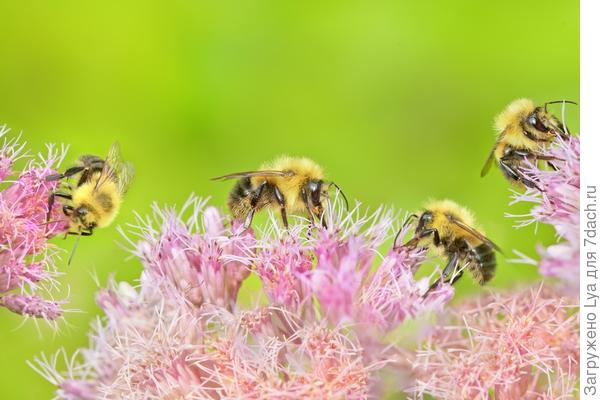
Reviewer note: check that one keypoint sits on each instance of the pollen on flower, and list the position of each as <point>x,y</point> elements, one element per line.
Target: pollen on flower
<point>281,262</point>
<point>31,306</point>
<point>518,346</point>
<point>180,332</point>
<point>200,265</point>
<point>26,258</point>
<point>348,290</point>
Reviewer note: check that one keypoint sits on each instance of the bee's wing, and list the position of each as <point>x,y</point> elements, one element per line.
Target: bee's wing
<point>474,232</point>
<point>125,176</point>
<point>488,163</point>
<point>248,174</point>
<point>115,169</point>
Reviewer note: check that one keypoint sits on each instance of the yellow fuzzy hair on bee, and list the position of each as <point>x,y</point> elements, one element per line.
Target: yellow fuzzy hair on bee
<point>442,208</point>
<point>304,170</point>
<point>102,203</point>
<point>449,230</point>
<point>515,112</point>
<point>287,184</point>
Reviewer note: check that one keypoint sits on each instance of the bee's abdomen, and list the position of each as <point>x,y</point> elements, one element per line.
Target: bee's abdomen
<point>483,258</point>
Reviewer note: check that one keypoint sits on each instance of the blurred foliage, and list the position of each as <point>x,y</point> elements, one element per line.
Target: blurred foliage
<point>395,99</point>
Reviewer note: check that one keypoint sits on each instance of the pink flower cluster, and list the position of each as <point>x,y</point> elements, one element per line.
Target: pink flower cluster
<point>513,347</point>
<point>182,334</point>
<point>557,205</point>
<point>342,281</point>
<point>26,258</point>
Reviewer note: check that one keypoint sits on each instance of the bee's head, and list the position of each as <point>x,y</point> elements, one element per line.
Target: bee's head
<point>541,125</point>
<point>535,122</point>
<point>82,217</point>
<point>425,221</point>
<point>315,194</point>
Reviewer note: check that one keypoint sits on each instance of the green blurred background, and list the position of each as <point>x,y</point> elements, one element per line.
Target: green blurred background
<point>395,99</point>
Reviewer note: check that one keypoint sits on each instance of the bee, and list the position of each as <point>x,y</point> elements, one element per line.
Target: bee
<point>524,129</point>
<point>96,198</point>
<point>290,184</point>
<point>451,230</point>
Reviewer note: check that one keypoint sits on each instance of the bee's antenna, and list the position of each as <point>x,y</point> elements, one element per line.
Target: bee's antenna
<point>74,248</point>
<point>557,102</point>
<point>408,219</point>
<point>342,193</point>
<point>396,237</point>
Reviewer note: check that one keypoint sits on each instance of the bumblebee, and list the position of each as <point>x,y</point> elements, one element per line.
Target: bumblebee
<point>524,129</point>
<point>95,199</point>
<point>450,229</point>
<point>290,184</point>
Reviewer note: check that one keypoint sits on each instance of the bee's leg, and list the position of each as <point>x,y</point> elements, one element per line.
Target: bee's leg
<point>253,203</point>
<point>517,175</point>
<point>281,202</point>
<point>547,158</point>
<point>323,222</point>
<point>427,232</point>
<point>456,277</point>
<point>450,267</point>
<point>412,243</point>
<point>86,232</point>
<point>67,210</point>
<point>537,155</point>
<point>308,204</point>
<point>51,198</point>
<point>68,173</point>
<point>436,237</point>
<point>529,154</point>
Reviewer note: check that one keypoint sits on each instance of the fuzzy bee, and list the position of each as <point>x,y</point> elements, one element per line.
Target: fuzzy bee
<point>524,129</point>
<point>450,229</point>
<point>95,199</point>
<point>289,184</point>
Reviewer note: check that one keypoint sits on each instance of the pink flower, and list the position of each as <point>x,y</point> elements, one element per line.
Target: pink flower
<point>281,261</point>
<point>200,267</point>
<point>347,288</point>
<point>556,205</point>
<point>181,333</point>
<point>26,259</point>
<point>32,306</point>
<point>520,346</point>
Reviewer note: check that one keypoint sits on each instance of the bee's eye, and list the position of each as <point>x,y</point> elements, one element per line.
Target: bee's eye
<point>315,191</point>
<point>82,211</point>
<point>426,217</point>
<point>537,123</point>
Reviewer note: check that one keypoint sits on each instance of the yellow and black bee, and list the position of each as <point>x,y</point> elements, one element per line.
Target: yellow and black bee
<point>450,229</point>
<point>524,129</point>
<point>290,184</point>
<point>95,199</point>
